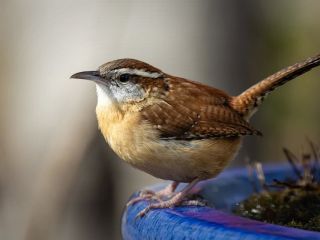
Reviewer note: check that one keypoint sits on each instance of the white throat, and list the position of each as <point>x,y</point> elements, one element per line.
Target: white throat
<point>102,95</point>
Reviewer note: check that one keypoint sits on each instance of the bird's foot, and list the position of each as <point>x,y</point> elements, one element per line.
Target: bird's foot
<point>175,200</point>
<point>144,196</point>
<point>159,196</point>
<point>168,191</point>
<point>172,202</point>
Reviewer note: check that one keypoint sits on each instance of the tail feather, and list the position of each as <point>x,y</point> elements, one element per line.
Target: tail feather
<point>248,101</point>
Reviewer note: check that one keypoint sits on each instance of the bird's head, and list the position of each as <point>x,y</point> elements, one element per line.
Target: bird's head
<point>124,81</point>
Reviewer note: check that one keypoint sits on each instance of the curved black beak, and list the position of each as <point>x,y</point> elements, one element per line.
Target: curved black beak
<point>88,75</point>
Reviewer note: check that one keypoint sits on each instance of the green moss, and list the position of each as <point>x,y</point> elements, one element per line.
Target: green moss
<point>298,208</point>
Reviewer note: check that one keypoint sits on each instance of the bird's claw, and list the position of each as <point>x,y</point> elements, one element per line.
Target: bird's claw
<point>168,199</point>
<point>173,202</point>
<point>142,197</point>
<point>143,212</point>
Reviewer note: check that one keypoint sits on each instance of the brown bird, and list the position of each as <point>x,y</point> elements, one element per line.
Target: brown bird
<point>174,128</point>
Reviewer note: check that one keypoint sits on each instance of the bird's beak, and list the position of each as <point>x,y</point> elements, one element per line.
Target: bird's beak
<point>88,75</point>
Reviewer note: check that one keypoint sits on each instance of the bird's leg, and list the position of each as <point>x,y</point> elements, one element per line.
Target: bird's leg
<point>168,190</point>
<point>148,194</point>
<point>170,203</point>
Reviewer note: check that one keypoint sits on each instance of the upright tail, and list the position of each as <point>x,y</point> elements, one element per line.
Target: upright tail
<point>247,102</point>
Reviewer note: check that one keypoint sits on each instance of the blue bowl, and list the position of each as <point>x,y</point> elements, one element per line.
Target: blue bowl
<point>222,192</point>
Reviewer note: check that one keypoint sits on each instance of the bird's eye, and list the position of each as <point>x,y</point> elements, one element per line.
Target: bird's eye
<point>124,78</point>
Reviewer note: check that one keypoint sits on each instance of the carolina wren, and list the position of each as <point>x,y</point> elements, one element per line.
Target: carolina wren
<point>174,128</point>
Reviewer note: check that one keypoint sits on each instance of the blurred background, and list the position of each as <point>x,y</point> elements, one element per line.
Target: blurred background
<point>58,178</point>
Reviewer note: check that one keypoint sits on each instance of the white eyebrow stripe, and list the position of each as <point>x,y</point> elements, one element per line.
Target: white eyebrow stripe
<point>138,72</point>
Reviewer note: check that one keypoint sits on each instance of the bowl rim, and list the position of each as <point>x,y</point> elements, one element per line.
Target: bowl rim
<point>217,220</point>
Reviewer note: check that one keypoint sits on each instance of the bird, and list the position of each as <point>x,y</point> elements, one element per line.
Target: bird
<point>173,128</point>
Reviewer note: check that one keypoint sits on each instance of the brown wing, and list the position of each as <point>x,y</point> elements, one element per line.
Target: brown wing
<point>189,110</point>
